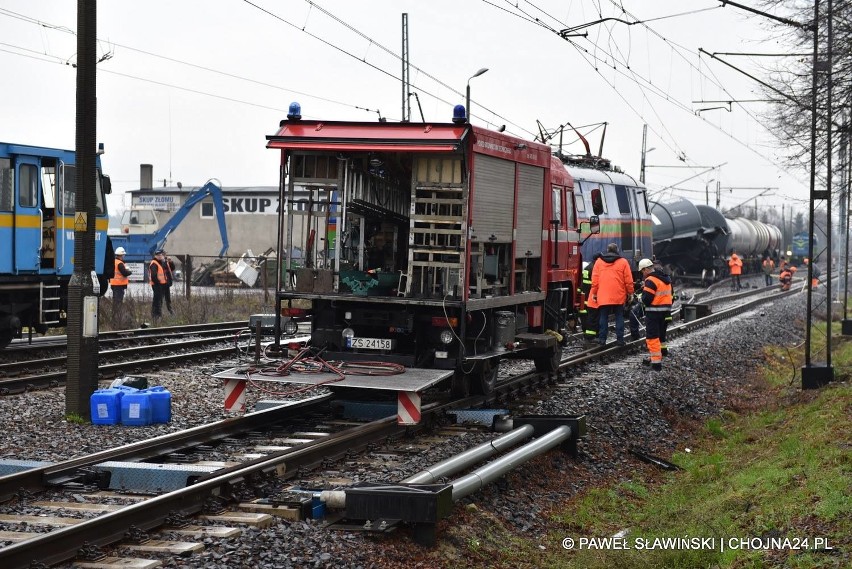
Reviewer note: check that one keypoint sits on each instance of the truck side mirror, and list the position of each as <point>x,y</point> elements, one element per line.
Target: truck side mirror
<point>597,201</point>
<point>594,225</point>
<point>106,185</point>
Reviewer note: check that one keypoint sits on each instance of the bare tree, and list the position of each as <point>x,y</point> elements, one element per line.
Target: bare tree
<point>791,79</point>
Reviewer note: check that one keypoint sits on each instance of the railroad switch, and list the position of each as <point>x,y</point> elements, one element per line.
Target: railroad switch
<point>381,507</point>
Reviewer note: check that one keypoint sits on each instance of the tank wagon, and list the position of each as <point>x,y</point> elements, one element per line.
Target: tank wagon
<point>442,246</point>
<point>625,218</point>
<point>37,201</point>
<point>694,241</point>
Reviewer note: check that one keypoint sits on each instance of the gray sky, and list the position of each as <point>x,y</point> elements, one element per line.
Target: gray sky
<point>193,87</point>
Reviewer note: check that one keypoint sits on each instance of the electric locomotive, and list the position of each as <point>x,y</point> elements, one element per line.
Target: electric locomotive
<point>800,247</point>
<point>624,215</point>
<point>434,245</point>
<point>37,202</point>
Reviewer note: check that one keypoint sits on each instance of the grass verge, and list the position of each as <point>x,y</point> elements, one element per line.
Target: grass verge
<point>765,489</point>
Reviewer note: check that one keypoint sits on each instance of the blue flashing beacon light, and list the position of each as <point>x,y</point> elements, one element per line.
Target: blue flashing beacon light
<point>294,113</point>
<point>459,114</point>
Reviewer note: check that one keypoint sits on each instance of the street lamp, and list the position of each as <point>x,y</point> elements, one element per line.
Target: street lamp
<point>467,101</point>
<point>642,166</point>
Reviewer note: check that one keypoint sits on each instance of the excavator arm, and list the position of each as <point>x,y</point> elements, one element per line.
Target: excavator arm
<point>210,189</point>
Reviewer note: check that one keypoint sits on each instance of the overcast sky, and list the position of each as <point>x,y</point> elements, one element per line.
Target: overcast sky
<point>193,87</point>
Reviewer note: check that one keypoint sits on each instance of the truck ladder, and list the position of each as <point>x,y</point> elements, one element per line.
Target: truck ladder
<point>438,226</point>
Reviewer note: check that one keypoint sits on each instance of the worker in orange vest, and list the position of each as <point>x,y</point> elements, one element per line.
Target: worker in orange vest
<point>815,273</point>
<point>768,267</point>
<point>657,298</point>
<point>118,283</point>
<point>612,285</point>
<point>785,278</point>
<point>735,265</point>
<point>160,273</point>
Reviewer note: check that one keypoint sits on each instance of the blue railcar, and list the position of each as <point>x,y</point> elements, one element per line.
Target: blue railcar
<point>37,214</point>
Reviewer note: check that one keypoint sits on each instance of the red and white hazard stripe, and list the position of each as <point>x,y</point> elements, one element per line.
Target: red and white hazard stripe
<point>408,408</point>
<point>235,395</point>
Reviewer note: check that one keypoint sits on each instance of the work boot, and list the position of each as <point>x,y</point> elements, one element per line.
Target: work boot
<point>646,361</point>
<point>657,367</point>
<point>665,352</point>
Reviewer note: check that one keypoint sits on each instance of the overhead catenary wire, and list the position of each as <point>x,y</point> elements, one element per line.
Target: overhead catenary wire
<point>643,82</point>
<point>615,56</point>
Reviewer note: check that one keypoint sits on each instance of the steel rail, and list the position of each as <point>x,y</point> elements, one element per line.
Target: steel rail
<point>55,378</point>
<point>60,340</point>
<point>9,368</point>
<point>41,478</point>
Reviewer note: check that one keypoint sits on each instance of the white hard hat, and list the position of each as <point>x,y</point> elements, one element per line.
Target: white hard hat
<point>645,264</point>
<point>120,251</point>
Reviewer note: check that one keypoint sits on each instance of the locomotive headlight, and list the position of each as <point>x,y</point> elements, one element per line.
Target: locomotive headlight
<point>347,334</point>
<point>446,336</point>
<point>291,327</point>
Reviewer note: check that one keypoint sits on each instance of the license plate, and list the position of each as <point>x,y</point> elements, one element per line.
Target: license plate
<point>370,343</point>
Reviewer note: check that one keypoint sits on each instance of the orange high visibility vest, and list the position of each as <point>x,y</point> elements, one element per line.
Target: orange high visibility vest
<point>662,301</point>
<point>161,272</point>
<point>118,279</point>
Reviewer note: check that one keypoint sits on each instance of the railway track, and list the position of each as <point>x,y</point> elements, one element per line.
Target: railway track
<point>267,469</point>
<point>26,347</point>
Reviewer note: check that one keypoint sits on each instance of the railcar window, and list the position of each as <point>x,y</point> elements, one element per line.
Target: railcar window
<point>100,201</point>
<point>7,184</point>
<point>623,199</point>
<point>556,199</point>
<point>48,185</point>
<point>68,192</point>
<point>28,186</point>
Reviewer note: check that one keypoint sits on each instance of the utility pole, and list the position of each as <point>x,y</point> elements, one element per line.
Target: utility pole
<point>406,72</point>
<point>82,302</point>
<point>718,194</point>
<point>644,143</point>
<point>817,375</point>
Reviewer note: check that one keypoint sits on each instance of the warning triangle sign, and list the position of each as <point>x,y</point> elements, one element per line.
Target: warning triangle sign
<point>81,221</point>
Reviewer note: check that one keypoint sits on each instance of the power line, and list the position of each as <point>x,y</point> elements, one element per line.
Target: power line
<point>646,83</point>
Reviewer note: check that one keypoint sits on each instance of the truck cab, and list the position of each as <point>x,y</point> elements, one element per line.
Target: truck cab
<point>139,220</point>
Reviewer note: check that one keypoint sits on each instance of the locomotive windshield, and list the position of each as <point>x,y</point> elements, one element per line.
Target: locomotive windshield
<point>68,190</point>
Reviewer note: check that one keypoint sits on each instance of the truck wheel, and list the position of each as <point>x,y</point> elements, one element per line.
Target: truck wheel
<point>549,362</point>
<point>5,339</point>
<point>484,379</point>
<point>459,385</point>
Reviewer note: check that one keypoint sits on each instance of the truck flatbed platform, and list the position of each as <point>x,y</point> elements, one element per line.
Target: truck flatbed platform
<point>413,379</point>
